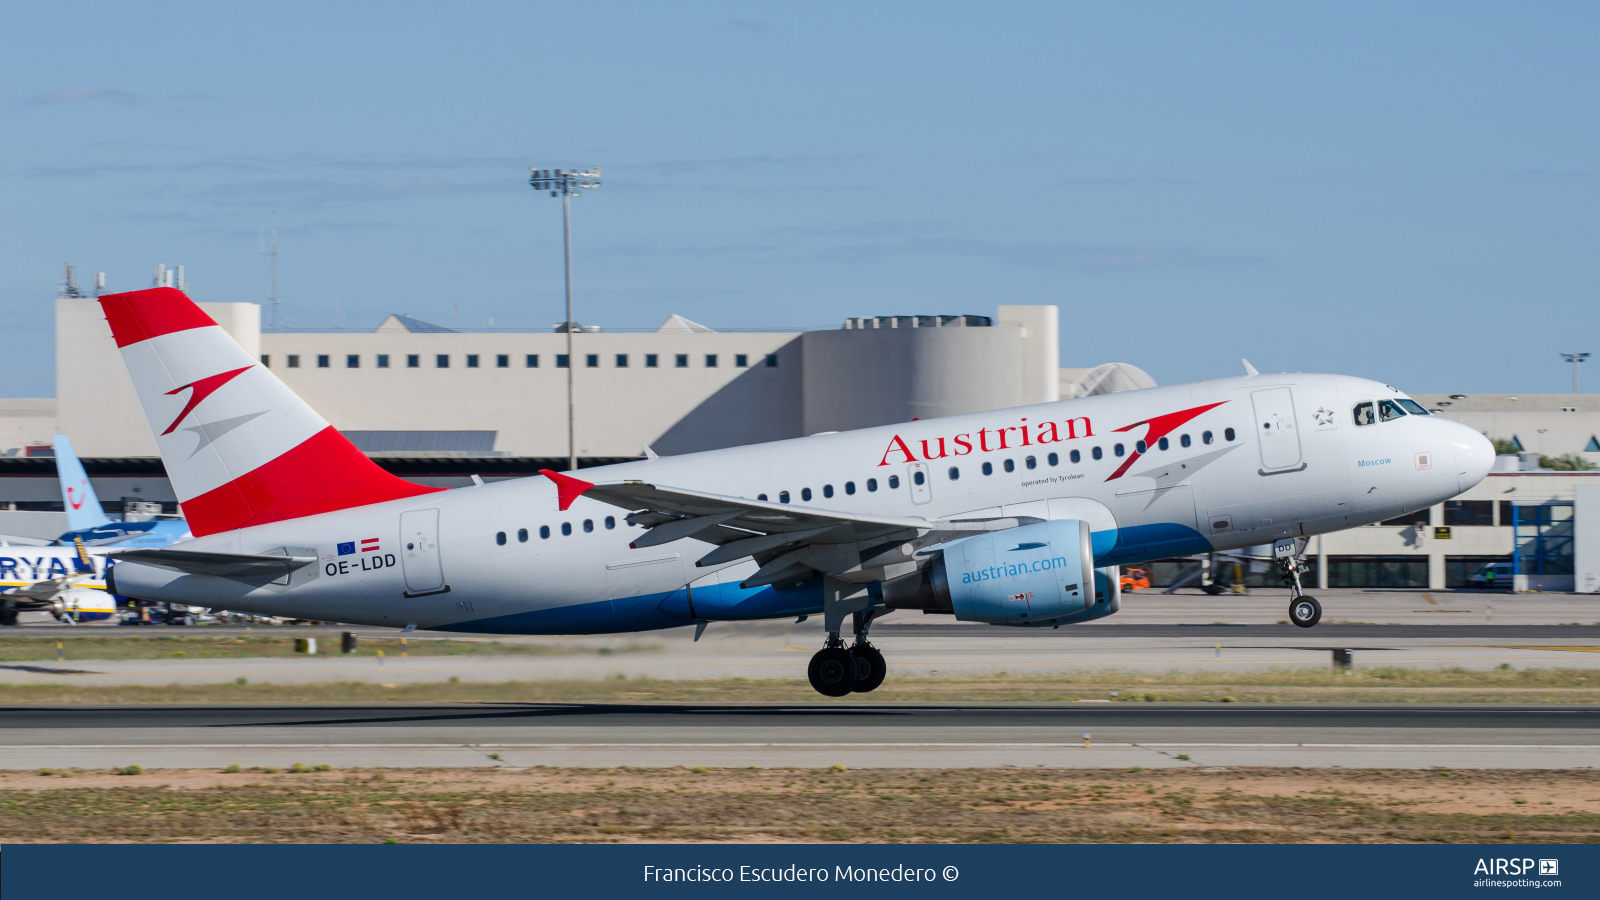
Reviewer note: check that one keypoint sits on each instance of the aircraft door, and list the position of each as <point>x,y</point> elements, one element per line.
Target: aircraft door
<point>921,479</point>
<point>1275,429</point>
<point>419,552</point>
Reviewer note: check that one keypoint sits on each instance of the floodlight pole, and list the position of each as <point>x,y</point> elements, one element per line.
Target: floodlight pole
<point>1575,358</point>
<point>567,183</point>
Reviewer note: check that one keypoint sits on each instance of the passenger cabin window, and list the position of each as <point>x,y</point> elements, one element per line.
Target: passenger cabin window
<point>1388,411</point>
<point>588,525</point>
<point>1117,449</point>
<point>872,485</point>
<point>1053,459</point>
<point>805,494</point>
<point>566,528</point>
<point>1096,453</point>
<point>1009,466</point>
<point>849,487</point>
<point>1031,463</point>
<point>1075,456</point>
<point>955,474</point>
<point>1163,443</point>
<point>827,490</point>
<point>500,538</point>
<point>1206,438</point>
<point>783,496</point>
<point>762,497</point>
<point>1140,447</point>
<point>988,468</point>
<point>894,481</point>
<point>1415,408</point>
<point>1363,413</point>
<point>611,522</point>
<point>1227,434</point>
<point>544,532</point>
<point>918,478</point>
<point>1182,441</point>
<point>522,535</point>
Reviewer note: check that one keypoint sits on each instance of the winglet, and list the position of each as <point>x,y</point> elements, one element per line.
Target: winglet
<point>1248,369</point>
<point>568,488</point>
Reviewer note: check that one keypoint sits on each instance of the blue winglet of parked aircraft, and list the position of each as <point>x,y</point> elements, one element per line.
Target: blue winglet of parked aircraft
<point>87,522</point>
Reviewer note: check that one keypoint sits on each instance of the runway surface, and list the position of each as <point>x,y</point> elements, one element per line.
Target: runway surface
<point>883,735</point>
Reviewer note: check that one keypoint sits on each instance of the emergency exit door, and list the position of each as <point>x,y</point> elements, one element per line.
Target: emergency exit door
<point>1275,430</point>
<point>419,552</point>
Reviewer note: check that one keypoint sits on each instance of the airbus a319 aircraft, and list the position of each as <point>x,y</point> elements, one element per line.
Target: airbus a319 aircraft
<point>1011,517</point>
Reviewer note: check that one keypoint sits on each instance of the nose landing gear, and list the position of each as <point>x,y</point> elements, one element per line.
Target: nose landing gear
<point>837,670</point>
<point>1303,611</point>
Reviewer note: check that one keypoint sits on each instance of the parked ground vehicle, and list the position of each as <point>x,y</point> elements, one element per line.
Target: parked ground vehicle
<point>1135,579</point>
<point>1491,576</point>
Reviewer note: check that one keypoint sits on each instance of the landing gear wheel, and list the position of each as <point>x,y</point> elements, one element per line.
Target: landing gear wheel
<point>832,672</point>
<point>870,667</point>
<point>1305,612</point>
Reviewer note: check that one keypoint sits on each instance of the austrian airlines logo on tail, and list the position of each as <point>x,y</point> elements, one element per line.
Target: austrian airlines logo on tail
<point>203,388</point>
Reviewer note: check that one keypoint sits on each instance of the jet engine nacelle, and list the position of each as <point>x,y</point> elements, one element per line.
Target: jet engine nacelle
<point>1034,575</point>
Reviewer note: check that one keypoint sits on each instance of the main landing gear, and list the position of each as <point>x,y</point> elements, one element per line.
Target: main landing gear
<point>837,670</point>
<point>1303,611</point>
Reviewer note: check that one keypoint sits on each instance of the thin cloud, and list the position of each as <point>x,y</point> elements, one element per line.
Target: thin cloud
<point>82,95</point>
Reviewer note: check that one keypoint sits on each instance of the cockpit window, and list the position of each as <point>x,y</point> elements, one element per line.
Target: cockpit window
<point>1411,406</point>
<point>1364,413</point>
<point>1388,411</point>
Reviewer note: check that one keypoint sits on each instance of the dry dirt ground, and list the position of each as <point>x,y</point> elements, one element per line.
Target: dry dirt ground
<point>1240,805</point>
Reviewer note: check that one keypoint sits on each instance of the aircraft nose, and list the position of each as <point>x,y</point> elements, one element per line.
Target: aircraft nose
<point>1474,456</point>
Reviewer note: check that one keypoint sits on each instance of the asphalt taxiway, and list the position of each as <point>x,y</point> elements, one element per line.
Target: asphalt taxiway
<point>777,735</point>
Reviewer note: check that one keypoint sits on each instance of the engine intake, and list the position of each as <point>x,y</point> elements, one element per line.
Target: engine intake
<point>1035,575</point>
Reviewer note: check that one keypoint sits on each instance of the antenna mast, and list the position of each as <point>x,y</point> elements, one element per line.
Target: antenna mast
<point>273,254</point>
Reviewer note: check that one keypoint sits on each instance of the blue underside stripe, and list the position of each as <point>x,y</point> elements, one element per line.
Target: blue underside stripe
<point>729,602</point>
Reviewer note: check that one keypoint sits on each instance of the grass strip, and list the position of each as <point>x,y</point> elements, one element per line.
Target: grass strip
<point>1233,805</point>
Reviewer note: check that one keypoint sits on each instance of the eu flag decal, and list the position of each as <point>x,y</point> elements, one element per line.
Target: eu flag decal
<point>347,548</point>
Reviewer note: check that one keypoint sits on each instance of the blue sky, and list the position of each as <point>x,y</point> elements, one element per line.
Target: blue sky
<point>1402,191</point>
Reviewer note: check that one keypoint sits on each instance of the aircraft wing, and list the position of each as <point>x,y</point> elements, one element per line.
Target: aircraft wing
<point>791,542</point>
<point>226,565</point>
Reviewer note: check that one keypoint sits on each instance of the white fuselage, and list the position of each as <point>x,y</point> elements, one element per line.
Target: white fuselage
<point>1284,458</point>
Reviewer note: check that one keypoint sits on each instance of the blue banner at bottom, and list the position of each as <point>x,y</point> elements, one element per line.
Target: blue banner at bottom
<point>308,872</point>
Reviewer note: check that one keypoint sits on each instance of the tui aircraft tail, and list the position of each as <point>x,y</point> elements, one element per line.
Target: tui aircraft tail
<point>240,448</point>
<point>77,494</point>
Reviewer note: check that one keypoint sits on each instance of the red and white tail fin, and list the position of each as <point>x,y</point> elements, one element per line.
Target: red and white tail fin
<point>240,448</point>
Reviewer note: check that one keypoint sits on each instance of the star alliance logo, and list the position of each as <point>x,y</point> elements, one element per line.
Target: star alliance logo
<point>1323,416</point>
